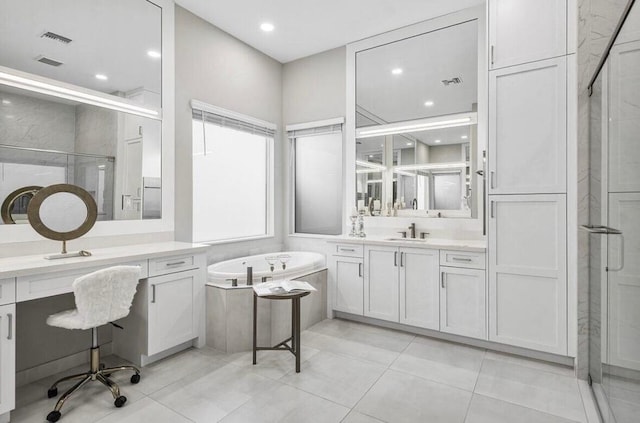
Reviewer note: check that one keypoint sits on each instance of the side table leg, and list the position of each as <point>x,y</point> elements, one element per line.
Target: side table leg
<point>255,325</point>
<point>296,301</point>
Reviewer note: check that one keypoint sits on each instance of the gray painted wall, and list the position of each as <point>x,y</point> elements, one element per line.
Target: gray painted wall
<point>214,67</point>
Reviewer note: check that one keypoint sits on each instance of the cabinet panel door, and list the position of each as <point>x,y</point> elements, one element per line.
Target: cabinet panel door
<point>171,311</point>
<point>526,30</point>
<point>381,283</point>
<point>527,271</point>
<point>349,285</point>
<point>624,284</point>
<point>463,299</point>
<point>419,293</point>
<point>7,357</point>
<point>624,125</point>
<point>528,128</point>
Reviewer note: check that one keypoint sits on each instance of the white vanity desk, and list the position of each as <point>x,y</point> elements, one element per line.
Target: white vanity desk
<point>167,314</point>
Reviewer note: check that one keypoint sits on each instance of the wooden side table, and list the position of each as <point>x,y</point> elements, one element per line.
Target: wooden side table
<point>294,348</point>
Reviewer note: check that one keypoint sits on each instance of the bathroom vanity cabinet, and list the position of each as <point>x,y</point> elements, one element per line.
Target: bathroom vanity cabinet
<point>402,284</point>
<point>167,313</point>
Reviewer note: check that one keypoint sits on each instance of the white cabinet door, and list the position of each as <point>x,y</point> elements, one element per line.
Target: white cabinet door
<point>528,128</point>
<point>463,302</point>
<point>7,357</point>
<point>527,271</point>
<point>381,286</point>
<point>171,310</point>
<point>624,125</point>
<point>419,293</point>
<point>349,285</point>
<point>522,31</point>
<point>624,284</point>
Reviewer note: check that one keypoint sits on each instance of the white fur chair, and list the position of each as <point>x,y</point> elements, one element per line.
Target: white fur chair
<point>101,297</point>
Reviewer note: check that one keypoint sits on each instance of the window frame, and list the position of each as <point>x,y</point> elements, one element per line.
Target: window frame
<point>290,131</point>
<point>270,171</point>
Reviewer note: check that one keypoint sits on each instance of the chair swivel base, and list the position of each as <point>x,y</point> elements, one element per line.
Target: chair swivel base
<point>96,373</point>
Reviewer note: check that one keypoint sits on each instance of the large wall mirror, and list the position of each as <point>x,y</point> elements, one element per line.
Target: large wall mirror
<point>418,149</point>
<point>80,102</point>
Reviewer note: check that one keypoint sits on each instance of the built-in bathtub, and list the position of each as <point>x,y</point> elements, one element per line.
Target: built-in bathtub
<point>287,264</point>
<point>230,309</point>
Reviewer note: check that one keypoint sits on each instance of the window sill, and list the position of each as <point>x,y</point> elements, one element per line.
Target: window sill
<point>237,240</point>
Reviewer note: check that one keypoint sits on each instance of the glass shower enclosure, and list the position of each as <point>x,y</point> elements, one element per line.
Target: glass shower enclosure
<point>614,232</point>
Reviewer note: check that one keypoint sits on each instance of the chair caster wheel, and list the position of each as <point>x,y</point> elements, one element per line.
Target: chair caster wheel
<point>52,393</point>
<point>119,402</point>
<point>54,416</point>
<point>135,378</point>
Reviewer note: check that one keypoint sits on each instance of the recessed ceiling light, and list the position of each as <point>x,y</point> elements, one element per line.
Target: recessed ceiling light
<point>5,101</point>
<point>409,143</point>
<point>371,156</point>
<point>397,71</point>
<point>267,27</point>
<point>101,77</point>
<point>464,137</point>
<point>154,54</point>
<point>437,141</point>
<point>429,103</point>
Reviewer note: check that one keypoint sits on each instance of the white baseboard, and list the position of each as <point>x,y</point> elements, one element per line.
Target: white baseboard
<point>26,376</point>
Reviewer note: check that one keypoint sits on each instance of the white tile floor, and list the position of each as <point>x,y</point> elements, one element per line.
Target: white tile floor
<point>351,373</point>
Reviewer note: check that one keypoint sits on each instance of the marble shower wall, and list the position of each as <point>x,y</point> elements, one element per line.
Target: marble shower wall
<point>597,20</point>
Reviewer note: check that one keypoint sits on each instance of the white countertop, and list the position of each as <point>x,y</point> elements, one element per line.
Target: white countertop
<point>430,243</point>
<point>25,265</point>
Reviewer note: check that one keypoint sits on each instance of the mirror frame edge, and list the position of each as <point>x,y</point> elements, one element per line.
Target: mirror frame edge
<point>478,13</point>
<point>166,224</point>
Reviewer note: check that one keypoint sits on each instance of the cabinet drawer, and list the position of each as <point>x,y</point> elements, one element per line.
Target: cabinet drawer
<point>462,259</point>
<point>7,291</point>
<point>167,265</point>
<point>56,283</point>
<point>349,250</point>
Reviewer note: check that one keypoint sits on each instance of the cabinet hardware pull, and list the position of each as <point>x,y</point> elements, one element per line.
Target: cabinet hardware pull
<point>10,317</point>
<point>442,279</point>
<point>492,49</point>
<point>348,249</point>
<point>493,214</point>
<point>176,263</point>
<point>401,259</point>
<point>492,179</point>
<point>360,266</point>
<point>153,293</point>
<point>621,265</point>
<point>395,259</point>
<point>461,259</point>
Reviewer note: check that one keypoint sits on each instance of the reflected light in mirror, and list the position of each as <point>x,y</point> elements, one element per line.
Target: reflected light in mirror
<point>16,80</point>
<point>450,121</point>
<point>63,212</point>
<point>397,71</point>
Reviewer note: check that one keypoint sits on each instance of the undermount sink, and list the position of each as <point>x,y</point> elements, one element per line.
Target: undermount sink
<point>406,239</point>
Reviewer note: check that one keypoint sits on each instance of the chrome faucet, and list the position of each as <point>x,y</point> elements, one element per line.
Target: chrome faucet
<point>412,228</point>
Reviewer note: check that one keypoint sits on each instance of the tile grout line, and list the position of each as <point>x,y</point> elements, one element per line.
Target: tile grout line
<point>473,391</point>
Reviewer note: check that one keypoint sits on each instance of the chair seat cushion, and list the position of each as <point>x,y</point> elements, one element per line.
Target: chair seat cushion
<point>69,319</point>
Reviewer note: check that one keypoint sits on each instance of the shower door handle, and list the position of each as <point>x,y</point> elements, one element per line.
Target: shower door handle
<point>621,265</point>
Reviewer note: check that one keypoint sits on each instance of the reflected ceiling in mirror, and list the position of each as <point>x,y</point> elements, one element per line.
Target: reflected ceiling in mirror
<point>111,46</point>
<point>432,74</point>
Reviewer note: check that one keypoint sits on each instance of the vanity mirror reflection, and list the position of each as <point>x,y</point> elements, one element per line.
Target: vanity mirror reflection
<point>418,150</point>
<point>80,103</point>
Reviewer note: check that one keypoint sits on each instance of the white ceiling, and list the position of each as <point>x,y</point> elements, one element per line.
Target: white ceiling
<point>306,27</point>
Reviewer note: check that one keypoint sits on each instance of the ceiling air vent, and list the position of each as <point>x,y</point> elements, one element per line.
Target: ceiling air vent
<point>48,61</point>
<point>56,37</point>
<point>451,81</point>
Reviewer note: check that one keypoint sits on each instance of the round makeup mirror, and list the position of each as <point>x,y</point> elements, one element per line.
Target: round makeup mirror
<point>62,212</point>
<point>14,207</point>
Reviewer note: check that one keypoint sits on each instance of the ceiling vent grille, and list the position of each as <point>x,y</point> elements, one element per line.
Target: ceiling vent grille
<point>56,37</point>
<point>452,81</point>
<point>48,61</point>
